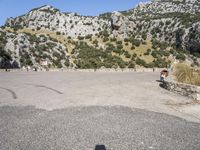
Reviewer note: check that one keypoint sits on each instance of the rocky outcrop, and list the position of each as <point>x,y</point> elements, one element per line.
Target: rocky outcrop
<point>192,40</point>
<point>120,24</point>
<point>168,6</point>
<point>183,89</point>
<point>25,49</point>
<point>70,24</point>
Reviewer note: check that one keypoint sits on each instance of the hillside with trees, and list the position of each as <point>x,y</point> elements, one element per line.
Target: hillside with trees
<point>154,34</point>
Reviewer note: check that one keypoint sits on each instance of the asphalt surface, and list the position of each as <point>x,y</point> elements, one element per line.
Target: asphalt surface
<point>82,128</point>
<point>81,110</point>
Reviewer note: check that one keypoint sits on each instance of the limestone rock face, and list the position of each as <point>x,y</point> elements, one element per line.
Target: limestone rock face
<point>192,40</point>
<point>120,24</point>
<point>70,24</point>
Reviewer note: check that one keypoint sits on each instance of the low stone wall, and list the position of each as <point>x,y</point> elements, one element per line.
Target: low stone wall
<point>183,89</point>
<point>90,70</point>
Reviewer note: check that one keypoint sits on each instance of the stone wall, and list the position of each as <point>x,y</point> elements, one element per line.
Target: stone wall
<point>183,89</point>
<point>92,70</point>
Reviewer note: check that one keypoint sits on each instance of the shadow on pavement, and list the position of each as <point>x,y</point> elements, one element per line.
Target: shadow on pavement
<point>159,81</point>
<point>100,147</point>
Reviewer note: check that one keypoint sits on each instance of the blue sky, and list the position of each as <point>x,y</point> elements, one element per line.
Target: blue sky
<point>13,8</point>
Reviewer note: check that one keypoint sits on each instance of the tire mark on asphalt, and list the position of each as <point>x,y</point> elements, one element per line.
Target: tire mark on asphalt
<point>46,87</point>
<point>14,95</point>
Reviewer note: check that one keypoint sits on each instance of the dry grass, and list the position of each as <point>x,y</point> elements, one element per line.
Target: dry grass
<point>141,50</point>
<point>138,50</point>
<point>186,74</point>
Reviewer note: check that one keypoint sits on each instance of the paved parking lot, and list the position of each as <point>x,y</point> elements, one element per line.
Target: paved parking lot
<point>78,110</point>
<point>55,90</point>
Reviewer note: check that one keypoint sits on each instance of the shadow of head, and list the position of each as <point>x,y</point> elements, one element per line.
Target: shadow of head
<point>159,81</point>
<point>100,147</point>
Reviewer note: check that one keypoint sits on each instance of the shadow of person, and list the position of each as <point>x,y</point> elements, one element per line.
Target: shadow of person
<point>162,85</point>
<point>100,147</point>
<point>159,81</point>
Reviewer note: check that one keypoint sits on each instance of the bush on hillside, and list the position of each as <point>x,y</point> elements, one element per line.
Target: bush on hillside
<point>135,42</point>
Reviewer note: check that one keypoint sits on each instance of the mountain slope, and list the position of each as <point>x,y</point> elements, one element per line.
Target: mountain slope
<point>154,34</point>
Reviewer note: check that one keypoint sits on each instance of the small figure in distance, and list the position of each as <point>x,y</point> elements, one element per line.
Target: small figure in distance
<point>163,75</point>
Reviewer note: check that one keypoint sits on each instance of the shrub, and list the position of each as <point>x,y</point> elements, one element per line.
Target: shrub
<point>51,45</point>
<point>57,63</point>
<point>161,24</point>
<point>127,55</point>
<point>89,36</point>
<point>132,47</point>
<point>180,56</point>
<point>105,39</point>
<point>25,59</point>
<point>15,42</point>
<point>168,22</point>
<point>17,27</point>
<point>116,50</point>
<point>104,33</point>
<point>134,55</point>
<point>38,28</point>
<point>147,52</point>
<point>113,39</point>
<point>135,42</point>
<point>90,57</point>
<point>80,38</point>
<point>33,38</point>
<point>140,62</point>
<point>67,63</point>
<point>144,36</point>
<point>57,55</point>
<point>126,40</point>
<point>119,42</point>
<point>154,54</point>
<point>105,16</point>
<point>131,64</point>
<point>119,46</point>
<point>155,30</point>
<point>72,26</point>
<point>87,23</point>
<point>4,57</point>
<point>58,33</point>
<point>160,63</point>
